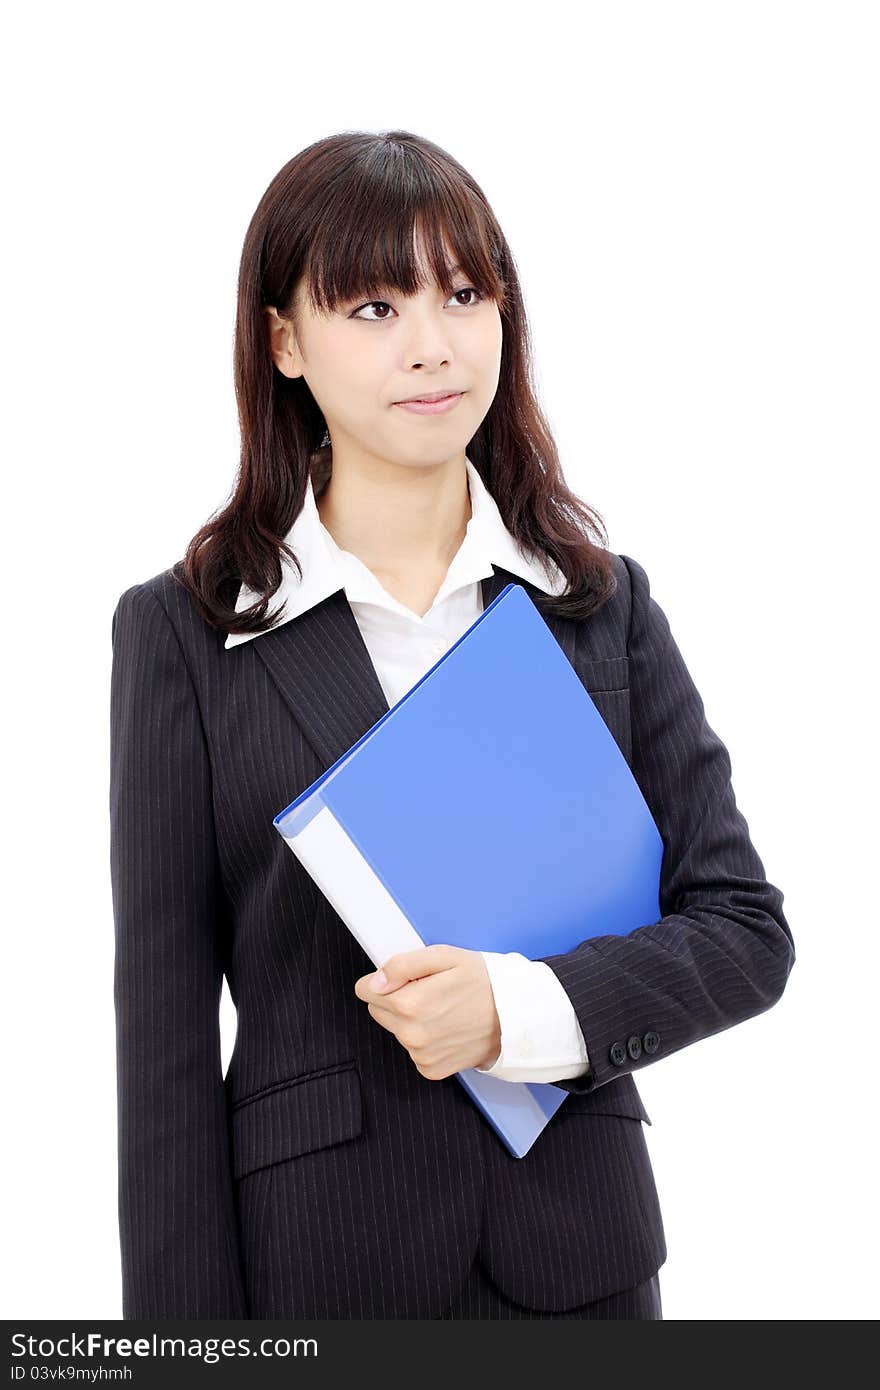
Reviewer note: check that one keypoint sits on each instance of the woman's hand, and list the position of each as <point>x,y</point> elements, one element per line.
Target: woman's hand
<point>438,1003</point>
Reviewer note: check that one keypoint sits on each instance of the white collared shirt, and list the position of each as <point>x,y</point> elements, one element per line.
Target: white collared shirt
<point>541,1039</point>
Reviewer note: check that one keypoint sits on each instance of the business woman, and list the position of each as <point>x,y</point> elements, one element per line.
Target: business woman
<point>396,472</point>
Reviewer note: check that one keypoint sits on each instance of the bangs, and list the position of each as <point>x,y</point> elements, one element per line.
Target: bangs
<point>374,216</point>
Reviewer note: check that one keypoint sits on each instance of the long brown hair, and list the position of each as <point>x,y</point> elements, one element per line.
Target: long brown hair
<point>340,216</point>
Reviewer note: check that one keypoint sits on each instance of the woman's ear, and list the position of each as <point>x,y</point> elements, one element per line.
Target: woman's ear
<point>281,342</point>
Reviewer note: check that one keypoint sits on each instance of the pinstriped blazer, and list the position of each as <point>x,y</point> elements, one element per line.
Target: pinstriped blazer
<point>324,1177</point>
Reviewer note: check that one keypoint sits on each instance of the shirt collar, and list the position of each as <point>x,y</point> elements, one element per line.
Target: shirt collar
<point>327,568</point>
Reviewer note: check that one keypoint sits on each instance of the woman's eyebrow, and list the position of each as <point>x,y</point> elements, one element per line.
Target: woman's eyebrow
<point>450,270</point>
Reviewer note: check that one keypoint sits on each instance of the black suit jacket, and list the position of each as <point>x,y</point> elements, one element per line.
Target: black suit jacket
<point>324,1177</point>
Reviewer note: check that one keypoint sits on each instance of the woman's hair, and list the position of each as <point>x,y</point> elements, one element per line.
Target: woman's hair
<point>341,216</point>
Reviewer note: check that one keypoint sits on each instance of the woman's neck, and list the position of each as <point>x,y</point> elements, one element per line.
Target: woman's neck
<point>405,526</point>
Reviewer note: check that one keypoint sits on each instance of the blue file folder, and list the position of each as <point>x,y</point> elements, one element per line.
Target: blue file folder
<point>489,808</point>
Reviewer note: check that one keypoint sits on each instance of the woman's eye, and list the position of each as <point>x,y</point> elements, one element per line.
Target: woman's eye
<point>469,289</point>
<point>382,304</point>
<point>373,304</point>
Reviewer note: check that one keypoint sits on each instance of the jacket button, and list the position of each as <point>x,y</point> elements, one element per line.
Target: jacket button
<point>618,1054</point>
<point>634,1047</point>
<point>651,1042</point>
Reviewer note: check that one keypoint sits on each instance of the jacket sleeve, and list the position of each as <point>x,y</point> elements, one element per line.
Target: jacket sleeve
<point>722,949</point>
<point>177,1221</point>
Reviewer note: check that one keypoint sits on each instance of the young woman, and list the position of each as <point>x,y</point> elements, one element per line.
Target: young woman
<point>339,1169</point>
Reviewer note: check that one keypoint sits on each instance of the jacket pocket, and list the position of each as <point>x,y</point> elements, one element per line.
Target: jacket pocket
<point>296,1117</point>
<point>620,1097</point>
<point>603,673</point>
<point>607,681</point>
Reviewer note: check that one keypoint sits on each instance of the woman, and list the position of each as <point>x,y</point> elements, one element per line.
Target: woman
<point>339,1169</point>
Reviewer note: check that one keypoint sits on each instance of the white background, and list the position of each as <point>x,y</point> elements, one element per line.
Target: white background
<point>690,192</point>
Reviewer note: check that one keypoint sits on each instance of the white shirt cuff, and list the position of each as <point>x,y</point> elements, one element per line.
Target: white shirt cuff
<point>541,1039</point>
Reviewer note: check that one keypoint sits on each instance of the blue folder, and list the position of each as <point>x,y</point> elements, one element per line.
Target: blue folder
<point>489,808</point>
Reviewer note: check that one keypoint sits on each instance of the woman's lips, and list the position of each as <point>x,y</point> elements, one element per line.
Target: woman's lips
<point>432,407</point>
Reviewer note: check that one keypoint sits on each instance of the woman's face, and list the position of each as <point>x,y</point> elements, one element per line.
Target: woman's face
<point>366,356</point>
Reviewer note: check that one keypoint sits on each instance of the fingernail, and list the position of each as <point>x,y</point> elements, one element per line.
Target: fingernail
<point>380,979</point>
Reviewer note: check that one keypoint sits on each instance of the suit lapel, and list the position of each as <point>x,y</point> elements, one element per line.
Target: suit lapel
<point>324,672</point>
